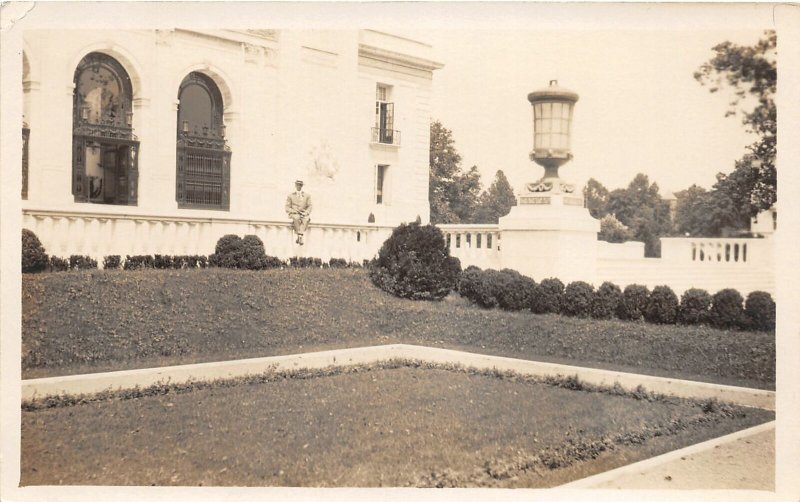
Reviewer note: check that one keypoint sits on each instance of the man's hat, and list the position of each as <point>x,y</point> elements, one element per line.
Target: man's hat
<point>298,182</point>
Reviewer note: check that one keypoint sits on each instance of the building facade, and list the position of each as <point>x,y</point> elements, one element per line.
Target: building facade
<point>161,141</point>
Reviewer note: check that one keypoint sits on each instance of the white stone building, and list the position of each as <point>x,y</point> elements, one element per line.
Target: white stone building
<point>161,141</point>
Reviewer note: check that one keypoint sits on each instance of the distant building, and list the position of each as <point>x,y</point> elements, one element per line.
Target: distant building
<point>766,222</point>
<point>672,200</point>
<point>163,140</point>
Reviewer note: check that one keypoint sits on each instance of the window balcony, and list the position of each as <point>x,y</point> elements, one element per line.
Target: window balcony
<point>389,137</point>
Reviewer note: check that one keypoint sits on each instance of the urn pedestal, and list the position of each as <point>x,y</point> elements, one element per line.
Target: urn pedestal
<point>550,235</point>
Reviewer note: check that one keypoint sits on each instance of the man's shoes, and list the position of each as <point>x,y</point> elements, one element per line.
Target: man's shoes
<point>300,240</point>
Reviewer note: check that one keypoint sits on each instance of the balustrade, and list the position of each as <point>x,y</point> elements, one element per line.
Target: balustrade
<point>476,245</point>
<point>99,235</point>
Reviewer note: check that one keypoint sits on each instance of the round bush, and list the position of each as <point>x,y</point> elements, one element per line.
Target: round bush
<point>515,291</point>
<point>234,252</point>
<point>112,262</point>
<point>726,309</point>
<point>549,297</point>
<point>578,298</point>
<point>606,301</point>
<point>470,285</point>
<point>251,254</point>
<point>695,306</point>
<point>226,252</point>
<point>494,284</point>
<point>760,311</point>
<point>634,301</point>
<point>662,306</point>
<point>414,263</point>
<point>34,258</point>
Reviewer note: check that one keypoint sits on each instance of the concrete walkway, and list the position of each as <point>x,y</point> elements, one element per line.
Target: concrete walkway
<point>96,382</point>
<point>744,460</point>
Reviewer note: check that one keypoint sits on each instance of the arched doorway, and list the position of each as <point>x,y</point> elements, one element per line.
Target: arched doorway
<point>203,159</point>
<point>104,148</point>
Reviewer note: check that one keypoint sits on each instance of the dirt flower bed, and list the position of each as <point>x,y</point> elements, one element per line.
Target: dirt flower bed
<point>89,321</point>
<point>400,423</point>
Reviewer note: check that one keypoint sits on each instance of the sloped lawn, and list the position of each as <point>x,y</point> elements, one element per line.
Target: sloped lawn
<point>87,321</point>
<point>382,425</point>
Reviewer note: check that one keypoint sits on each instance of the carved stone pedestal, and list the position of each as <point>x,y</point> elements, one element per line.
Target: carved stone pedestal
<point>550,234</point>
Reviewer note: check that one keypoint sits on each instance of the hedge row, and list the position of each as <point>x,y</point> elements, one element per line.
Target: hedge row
<point>509,290</point>
<point>231,252</point>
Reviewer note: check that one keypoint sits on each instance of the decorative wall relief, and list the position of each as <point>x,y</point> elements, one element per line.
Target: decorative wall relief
<point>324,164</point>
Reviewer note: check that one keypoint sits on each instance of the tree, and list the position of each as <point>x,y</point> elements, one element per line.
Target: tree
<point>452,193</point>
<point>596,196</point>
<point>703,213</point>
<point>640,208</point>
<point>612,230</point>
<point>496,201</point>
<point>463,194</point>
<point>752,72</point>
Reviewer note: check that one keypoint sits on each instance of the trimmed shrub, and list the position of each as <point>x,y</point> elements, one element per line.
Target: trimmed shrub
<point>727,310</point>
<point>491,284</point>
<point>34,258</point>
<point>273,262</point>
<point>228,244</point>
<point>234,252</point>
<point>138,262</point>
<point>162,261</point>
<point>695,306</point>
<point>251,254</point>
<point>59,264</point>
<point>337,263</point>
<point>578,298</point>
<point>517,291</point>
<point>760,311</point>
<point>77,262</point>
<point>549,297</point>
<point>634,302</point>
<point>414,263</point>
<point>226,252</point>
<point>606,301</point>
<point>470,285</point>
<point>112,262</point>
<point>662,306</point>
<point>304,262</point>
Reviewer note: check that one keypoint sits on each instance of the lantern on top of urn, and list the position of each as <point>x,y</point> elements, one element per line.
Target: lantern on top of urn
<point>552,121</point>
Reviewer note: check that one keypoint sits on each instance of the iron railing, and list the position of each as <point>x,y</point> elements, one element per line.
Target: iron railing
<point>386,136</point>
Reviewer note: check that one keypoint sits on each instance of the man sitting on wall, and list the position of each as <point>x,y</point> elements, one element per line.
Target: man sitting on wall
<point>298,207</point>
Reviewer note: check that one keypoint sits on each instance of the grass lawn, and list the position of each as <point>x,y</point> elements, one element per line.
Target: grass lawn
<point>89,321</point>
<point>367,426</point>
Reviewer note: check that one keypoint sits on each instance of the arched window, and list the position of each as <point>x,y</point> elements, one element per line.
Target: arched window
<point>104,148</point>
<point>203,174</point>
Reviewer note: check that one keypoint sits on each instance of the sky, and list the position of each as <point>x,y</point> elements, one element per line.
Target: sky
<point>640,108</point>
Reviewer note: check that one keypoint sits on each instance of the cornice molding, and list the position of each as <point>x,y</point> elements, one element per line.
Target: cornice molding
<point>397,58</point>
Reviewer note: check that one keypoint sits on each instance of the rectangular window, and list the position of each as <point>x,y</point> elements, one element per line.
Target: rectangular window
<point>384,131</point>
<point>381,184</point>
